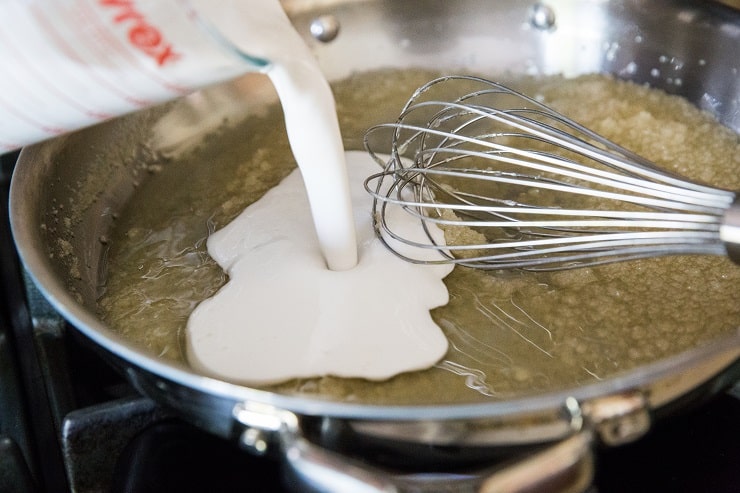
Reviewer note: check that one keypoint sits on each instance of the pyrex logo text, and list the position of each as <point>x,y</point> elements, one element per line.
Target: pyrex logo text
<point>141,34</point>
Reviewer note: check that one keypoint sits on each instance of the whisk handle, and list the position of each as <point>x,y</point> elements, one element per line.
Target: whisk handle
<point>729,231</point>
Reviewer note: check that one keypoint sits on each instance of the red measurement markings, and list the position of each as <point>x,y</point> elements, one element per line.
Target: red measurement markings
<point>9,103</point>
<point>49,80</point>
<point>20,115</point>
<point>70,51</point>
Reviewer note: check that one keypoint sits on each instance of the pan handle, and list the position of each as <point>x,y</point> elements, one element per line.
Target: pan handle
<point>729,230</point>
<point>566,467</point>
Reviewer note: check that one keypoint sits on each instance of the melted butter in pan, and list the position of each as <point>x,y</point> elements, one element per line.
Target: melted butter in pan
<point>511,334</point>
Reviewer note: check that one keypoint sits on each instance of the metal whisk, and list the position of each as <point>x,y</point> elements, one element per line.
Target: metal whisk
<point>521,186</point>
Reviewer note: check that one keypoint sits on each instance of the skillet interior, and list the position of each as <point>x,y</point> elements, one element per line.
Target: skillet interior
<point>91,174</point>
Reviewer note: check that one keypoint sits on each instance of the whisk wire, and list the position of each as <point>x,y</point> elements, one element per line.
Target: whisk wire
<point>501,173</point>
<point>663,186</point>
<point>625,160</point>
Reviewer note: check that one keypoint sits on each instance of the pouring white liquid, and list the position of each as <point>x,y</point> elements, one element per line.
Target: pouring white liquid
<point>262,29</point>
<point>283,314</point>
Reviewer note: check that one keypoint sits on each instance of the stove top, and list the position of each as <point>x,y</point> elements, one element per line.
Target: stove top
<point>69,423</point>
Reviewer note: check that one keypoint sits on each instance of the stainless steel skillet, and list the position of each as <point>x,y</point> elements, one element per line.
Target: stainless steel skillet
<point>92,173</point>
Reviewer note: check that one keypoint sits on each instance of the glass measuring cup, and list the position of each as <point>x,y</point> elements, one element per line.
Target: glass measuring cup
<point>73,63</point>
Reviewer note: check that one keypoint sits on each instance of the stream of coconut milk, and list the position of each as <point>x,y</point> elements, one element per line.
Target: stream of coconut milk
<point>311,291</point>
